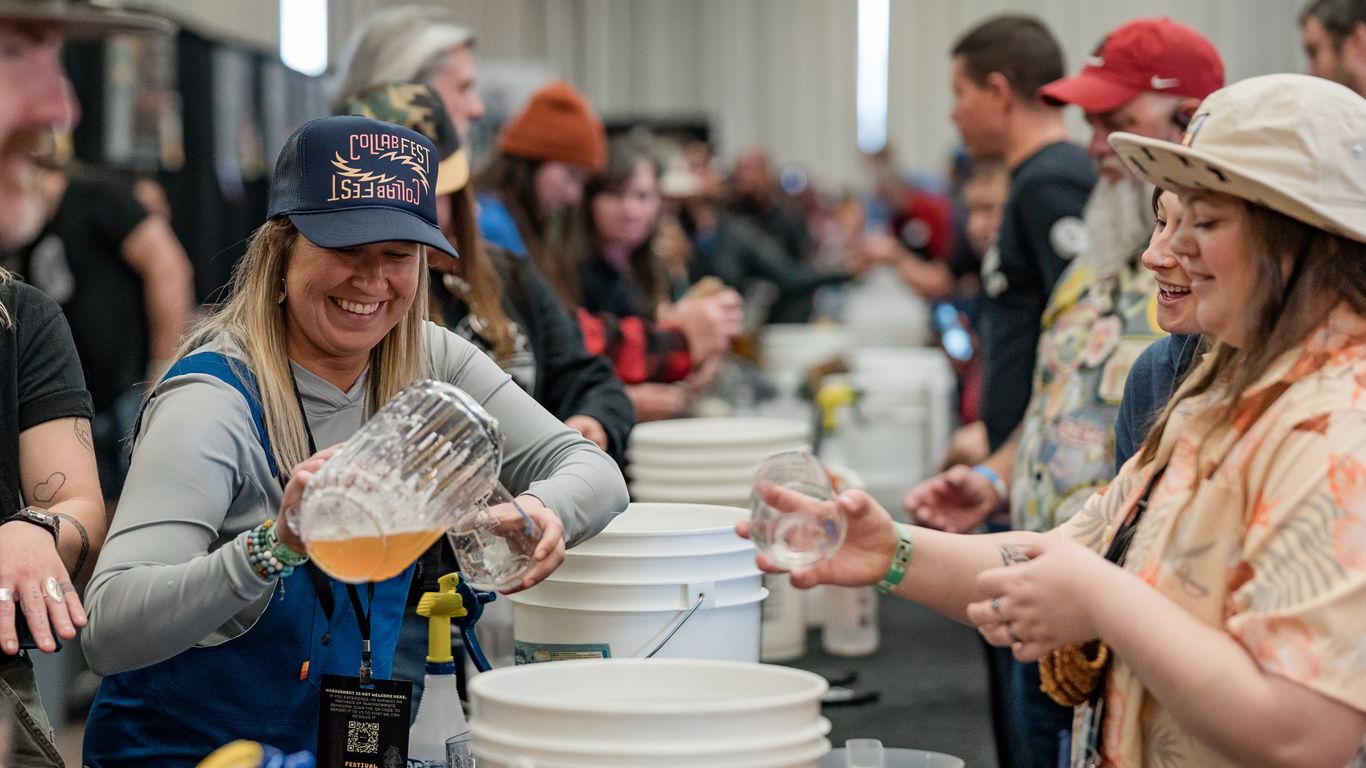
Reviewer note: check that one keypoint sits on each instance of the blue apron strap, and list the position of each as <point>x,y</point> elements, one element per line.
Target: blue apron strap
<point>225,369</point>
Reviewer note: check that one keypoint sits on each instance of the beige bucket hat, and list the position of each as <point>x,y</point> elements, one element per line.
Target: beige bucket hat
<point>83,18</point>
<point>1292,143</point>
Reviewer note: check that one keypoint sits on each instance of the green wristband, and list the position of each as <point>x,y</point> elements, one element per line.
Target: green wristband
<point>901,558</point>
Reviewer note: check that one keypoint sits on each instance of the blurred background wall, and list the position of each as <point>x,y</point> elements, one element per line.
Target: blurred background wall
<point>776,72</point>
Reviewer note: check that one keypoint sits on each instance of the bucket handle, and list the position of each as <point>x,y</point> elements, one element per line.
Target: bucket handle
<point>701,591</point>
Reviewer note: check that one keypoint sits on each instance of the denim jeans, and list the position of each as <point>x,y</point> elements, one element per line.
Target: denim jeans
<point>31,736</point>
<point>1038,719</point>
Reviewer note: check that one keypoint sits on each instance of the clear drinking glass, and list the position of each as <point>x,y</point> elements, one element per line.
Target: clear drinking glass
<point>458,752</point>
<point>806,533</point>
<point>420,464</point>
<point>495,545</point>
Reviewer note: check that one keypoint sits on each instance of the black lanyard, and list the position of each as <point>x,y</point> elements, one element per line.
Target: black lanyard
<point>321,586</point>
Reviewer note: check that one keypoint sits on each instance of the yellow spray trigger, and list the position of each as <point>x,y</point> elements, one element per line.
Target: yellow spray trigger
<point>440,607</point>
<point>837,392</point>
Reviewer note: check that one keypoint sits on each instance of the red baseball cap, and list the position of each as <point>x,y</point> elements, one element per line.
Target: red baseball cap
<point>1157,55</point>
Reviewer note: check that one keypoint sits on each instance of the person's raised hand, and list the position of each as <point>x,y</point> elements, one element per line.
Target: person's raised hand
<point>956,500</point>
<point>286,526</point>
<point>1043,604</point>
<point>862,559</point>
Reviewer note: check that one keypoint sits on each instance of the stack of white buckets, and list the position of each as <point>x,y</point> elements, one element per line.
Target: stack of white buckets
<point>664,580</point>
<point>713,461</point>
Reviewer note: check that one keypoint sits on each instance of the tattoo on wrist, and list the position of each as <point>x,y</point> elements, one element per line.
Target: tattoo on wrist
<point>1013,554</point>
<point>83,435</point>
<point>85,543</point>
<point>46,491</point>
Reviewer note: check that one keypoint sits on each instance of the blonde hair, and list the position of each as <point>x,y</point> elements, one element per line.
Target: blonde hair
<point>253,318</point>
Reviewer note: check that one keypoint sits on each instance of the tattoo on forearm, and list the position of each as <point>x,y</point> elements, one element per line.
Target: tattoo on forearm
<point>1013,554</point>
<point>47,490</point>
<point>85,542</point>
<point>83,435</point>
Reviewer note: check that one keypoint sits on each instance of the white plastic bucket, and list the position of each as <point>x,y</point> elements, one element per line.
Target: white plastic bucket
<point>794,746</point>
<point>672,580</point>
<point>894,757</point>
<point>556,621</point>
<point>648,712</point>
<point>728,433</point>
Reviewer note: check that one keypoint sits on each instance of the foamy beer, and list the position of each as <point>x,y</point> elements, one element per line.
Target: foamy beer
<point>426,460</point>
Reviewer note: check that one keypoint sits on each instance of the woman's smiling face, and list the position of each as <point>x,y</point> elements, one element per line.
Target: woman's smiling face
<point>1175,303</point>
<point>1213,247</point>
<point>341,302</point>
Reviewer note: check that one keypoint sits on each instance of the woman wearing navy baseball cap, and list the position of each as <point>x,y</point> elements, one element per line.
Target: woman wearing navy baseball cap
<point>201,644</point>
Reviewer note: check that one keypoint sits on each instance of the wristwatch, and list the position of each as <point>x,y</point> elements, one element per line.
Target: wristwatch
<point>37,517</point>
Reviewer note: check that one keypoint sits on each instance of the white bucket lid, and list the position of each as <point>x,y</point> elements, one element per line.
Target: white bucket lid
<point>806,757</point>
<point>720,433</point>
<point>721,457</point>
<point>700,493</point>
<point>758,744</point>
<point>623,689</point>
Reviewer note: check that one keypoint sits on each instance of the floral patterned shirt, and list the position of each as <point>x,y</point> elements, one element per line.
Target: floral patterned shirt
<point>1094,330</point>
<point>1260,530</point>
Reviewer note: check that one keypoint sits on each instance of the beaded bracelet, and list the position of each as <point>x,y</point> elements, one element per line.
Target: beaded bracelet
<point>900,559</point>
<point>268,556</point>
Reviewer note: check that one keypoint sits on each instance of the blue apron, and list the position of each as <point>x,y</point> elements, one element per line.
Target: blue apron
<point>174,713</point>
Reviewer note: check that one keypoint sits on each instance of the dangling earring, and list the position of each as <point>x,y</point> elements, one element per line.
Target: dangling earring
<point>281,298</point>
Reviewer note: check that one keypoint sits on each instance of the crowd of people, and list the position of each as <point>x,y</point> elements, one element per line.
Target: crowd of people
<point>1153,512</point>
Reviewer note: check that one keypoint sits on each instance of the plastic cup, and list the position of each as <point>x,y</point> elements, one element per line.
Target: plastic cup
<point>863,753</point>
<point>805,532</point>
<point>496,545</point>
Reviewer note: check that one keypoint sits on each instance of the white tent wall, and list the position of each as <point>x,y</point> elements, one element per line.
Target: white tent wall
<point>779,73</point>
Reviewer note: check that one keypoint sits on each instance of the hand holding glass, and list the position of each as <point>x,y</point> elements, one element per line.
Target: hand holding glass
<point>496,545</point>
<point>811,528</point>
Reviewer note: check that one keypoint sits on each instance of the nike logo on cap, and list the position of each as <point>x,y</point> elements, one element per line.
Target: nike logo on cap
<point>1163,83</point>
<point>1095,61</point>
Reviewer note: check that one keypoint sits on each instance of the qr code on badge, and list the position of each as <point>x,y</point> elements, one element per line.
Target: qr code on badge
<point>362,738</point>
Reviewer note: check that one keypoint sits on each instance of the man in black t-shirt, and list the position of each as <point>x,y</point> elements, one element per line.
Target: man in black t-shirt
<point>46,456</point>
<point>998,68</point>
<point>126,287</point>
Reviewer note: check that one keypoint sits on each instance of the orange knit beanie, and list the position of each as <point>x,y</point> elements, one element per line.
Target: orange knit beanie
<point>558,124</point>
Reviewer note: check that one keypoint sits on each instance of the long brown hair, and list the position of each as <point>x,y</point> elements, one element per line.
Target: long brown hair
<point>254,320</point>
<point>486,287</point>
<point>646,269</point>
<point>1302,274</point>
<point>513,180</point>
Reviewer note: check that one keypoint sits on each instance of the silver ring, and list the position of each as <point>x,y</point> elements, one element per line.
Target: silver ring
<point>1010,630</point>
<point>6,595</point>
<point>996,607</point>
<point>53,589</point>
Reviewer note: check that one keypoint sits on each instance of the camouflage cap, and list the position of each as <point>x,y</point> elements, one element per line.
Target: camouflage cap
<point>415,106</point>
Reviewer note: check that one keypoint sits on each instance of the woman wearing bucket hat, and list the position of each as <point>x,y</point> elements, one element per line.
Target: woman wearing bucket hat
<point>1230,631</point>
<point>324,323</point>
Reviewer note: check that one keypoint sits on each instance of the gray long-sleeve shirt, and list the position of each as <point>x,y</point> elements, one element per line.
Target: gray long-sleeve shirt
<point>174,574</point>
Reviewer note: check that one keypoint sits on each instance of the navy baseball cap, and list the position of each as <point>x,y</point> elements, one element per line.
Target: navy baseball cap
<point>349,180</point>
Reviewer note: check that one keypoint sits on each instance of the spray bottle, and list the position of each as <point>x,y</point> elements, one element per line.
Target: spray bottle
<point>440,717</point>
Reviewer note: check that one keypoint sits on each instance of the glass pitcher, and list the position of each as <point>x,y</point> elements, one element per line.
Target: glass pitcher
<point>423,462</point>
